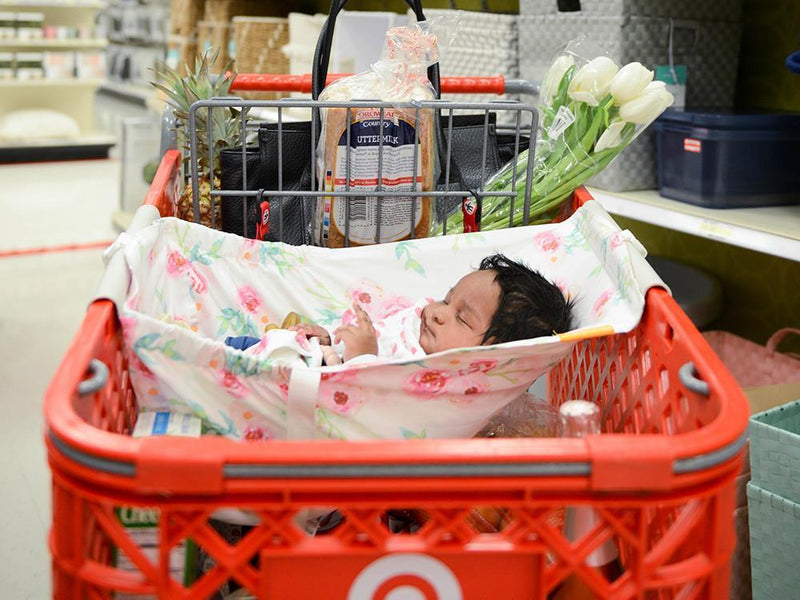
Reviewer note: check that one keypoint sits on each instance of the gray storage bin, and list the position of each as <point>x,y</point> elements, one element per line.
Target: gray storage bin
<point>710,51</point>
<point>699,10</point>
<point>775,450</point>
<point>774,534</point>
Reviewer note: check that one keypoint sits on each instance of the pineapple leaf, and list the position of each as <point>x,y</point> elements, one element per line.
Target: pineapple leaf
<point>201,84</point>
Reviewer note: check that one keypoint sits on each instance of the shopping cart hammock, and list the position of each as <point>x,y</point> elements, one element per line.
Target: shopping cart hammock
<point>191,287</point>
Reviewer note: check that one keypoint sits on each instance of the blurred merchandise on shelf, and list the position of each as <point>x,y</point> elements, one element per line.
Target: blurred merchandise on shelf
<point>700,50</point>
<point>258,44</point>
<point>59,65</point>
<point>727,160</point>
<point>8,25</point>
<point>7,70</point>
<point>30,65</point>
<point>29,25</point>
<point>770,32</point>
<point>90,64</point>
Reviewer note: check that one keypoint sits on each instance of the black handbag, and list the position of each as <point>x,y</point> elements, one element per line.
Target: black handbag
<point>289,218</point>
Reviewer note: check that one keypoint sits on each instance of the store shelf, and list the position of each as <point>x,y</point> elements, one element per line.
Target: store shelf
<point>129,91</point>
<point>44,44</point>
<point>772,230</point>
<point>36,83</point>
<point>94,145</point>
<point>94,4</point>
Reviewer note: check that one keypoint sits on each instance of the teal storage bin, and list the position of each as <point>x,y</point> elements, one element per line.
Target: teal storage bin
<point>774,544</point>
<point>775,453</point>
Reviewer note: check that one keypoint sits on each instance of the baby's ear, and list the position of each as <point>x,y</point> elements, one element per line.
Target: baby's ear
<point>489,342</point>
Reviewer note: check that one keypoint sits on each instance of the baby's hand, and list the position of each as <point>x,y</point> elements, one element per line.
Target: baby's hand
<point>313,331</point>
<point>359,338</point>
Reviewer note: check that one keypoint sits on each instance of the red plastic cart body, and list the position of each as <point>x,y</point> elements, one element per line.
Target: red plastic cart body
<point>661,478</point>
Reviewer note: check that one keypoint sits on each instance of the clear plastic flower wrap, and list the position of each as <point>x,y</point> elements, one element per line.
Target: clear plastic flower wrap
<point>400,75</point>
<point>589,110</point>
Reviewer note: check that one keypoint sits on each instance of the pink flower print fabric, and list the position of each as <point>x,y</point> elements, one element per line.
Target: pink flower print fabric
<point>249,299</point>
<point>221,284</point>
<point>288,348</point>
<point>179,266</point>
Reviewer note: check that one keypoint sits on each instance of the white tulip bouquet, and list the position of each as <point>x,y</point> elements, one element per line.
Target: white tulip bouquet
<point>589,111</point>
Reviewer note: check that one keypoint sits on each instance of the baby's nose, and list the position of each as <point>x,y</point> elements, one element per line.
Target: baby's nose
<point>438,314</point>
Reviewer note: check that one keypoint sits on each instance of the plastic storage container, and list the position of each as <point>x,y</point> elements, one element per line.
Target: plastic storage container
<point>723,160</point>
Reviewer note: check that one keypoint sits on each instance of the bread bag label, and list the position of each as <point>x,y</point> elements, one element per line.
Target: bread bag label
<point>368,140</point>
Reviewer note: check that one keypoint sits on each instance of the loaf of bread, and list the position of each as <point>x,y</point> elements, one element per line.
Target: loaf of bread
<point>399,134</point>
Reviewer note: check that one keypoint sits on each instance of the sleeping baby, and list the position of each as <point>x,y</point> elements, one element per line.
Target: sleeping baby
<point>502,301</point>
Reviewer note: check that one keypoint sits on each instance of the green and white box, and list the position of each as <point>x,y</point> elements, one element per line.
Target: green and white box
<point>142,525</point>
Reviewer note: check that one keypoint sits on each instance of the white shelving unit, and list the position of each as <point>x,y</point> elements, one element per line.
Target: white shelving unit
<point>773,230</point>
<point>37,45</point>
<point>74,97</point>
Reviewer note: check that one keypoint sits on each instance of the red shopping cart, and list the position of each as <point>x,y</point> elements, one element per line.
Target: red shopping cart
<point>661,480</point>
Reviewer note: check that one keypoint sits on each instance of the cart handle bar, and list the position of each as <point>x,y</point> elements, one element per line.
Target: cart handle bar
<point>450,85</point>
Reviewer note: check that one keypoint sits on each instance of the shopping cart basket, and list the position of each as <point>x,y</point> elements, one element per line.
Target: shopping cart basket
<point>661,480</point>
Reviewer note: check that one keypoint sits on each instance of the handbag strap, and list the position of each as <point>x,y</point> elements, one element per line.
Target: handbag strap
<point>322,53</point>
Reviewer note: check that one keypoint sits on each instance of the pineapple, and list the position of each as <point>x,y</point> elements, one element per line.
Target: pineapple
<point>200,84</point>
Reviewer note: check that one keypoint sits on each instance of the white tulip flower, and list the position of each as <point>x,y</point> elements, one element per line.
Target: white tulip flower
<point>611,137</point>
<point>645,107</point>
<point>553,78</point>
<point>629,82</point>
<point>591,82</point>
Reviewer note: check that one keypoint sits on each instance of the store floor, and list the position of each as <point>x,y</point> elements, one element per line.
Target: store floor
<point>43,298</point>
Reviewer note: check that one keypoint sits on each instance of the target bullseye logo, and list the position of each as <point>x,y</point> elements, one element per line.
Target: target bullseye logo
<point>408,576</point>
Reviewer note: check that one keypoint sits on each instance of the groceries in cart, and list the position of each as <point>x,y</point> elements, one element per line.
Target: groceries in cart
<point>191,287</point>
<point>502,301</point>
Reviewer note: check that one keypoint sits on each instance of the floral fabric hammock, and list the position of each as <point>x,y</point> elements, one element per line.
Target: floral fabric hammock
<point>190,287</point>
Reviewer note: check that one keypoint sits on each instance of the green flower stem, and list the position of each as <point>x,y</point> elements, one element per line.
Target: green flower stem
<point>555,176</point>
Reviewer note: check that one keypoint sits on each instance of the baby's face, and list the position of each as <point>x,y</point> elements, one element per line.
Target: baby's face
<point>462,318</point>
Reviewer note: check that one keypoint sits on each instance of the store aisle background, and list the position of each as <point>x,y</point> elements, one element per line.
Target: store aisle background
<point>43,298</point>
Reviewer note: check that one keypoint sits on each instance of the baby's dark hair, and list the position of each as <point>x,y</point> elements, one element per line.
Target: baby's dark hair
<point>530,306</point>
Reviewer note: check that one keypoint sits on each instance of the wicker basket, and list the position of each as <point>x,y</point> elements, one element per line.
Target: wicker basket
<point>258,43</point>
<point>181,51</point>
<point>222,11</point>
<point>183,17</point>
<point>216,36</point>
<point>754,365</point>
